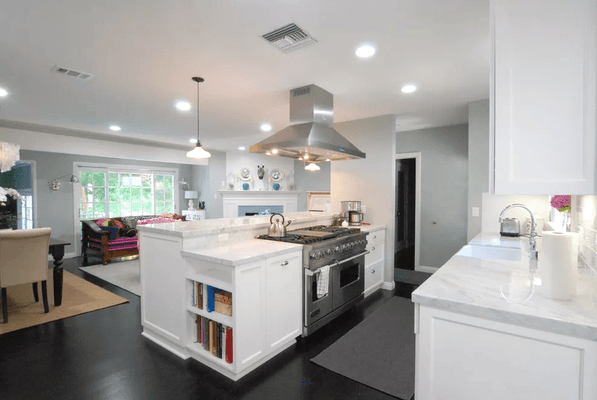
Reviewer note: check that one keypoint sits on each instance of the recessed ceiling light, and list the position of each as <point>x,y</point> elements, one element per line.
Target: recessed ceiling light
<point>241,148</point>
<point>328,159</point>
<point>3,92</point>
<point>115,128</point>
<point>306,156</point>
<point>274,151</point>
<point>365,51</point>
<point>408,88</point>
<point>183,105</point>
<point>266,127</point>
<point>193,140</point>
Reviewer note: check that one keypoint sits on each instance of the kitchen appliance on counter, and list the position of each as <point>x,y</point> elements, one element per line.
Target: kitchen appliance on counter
<point>341,249</point>
<point>277,228</point>
<point>509,227</point>
<point>351,211</point>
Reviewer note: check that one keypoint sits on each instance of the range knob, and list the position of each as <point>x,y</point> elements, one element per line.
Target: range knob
<point>338,249</point>
<point>329,252</point>
<point>344,247</point>
<point>313,256</point>
<point>320,254</point>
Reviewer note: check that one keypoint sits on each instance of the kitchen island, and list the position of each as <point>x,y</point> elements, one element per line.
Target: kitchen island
<point>473,344</point>
<point>183,259</point>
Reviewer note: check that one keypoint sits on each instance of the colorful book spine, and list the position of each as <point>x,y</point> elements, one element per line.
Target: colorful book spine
<point>210,298</point>
<point>229,350</point>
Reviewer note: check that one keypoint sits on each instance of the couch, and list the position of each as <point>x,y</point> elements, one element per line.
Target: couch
<point>98,240</point>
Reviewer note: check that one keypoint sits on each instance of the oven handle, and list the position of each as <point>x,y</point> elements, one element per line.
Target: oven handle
<point>308,272</point>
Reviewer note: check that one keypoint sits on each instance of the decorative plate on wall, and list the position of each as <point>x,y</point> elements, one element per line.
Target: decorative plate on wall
<point>276,175</point>
<point>245,174</point>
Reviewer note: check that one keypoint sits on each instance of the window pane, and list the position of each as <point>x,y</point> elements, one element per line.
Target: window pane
<point>168,180</point>
<point>135,179</point>
<point>113,179</point>
<point>125,209</point>
<point>147,195</point>
<point>159,181</point>
<point>99,210</point>
<point>147,180</point>
<point>168,206</point>
<point>125,179</point>
<point>114,209</point>
<point>147,208</point>
<point>136,194</point>
<point>99,194</point>
<point>159,207</point>
<point>159,195</point>
<point>99,179</point>
<point>168,194</point>
<point>125,194</point>
<point>88,195</point>
<point>114,194</point>
<point>86,178</point>
<point>136,208</point>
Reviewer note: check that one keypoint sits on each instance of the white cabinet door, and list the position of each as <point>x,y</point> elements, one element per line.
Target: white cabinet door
<point>283,299</point>
<point>467,358</point>
<point>544,109</point>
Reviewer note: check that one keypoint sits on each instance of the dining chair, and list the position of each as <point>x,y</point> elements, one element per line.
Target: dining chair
<point>24,259</point>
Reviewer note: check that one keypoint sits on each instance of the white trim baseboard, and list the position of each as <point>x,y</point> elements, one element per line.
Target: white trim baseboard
<point>388,285</point>
<point>423,268</point>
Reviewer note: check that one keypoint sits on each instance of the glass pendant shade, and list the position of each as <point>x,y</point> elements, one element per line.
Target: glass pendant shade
<point>198,153</point>
<point>312,167</point>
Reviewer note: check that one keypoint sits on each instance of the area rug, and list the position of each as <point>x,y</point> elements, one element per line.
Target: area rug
<point>125,274</point>
<point>78,297</point>
<point>379,352</point>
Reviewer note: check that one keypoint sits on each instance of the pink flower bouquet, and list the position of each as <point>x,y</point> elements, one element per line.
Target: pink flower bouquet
<point>561,202</point>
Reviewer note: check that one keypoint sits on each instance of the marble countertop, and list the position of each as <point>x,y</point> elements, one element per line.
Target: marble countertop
<point>372,228</point>
<point>495,239</point>
<point>242,252</point>
<point>471,286</point>
<point>188,229</point>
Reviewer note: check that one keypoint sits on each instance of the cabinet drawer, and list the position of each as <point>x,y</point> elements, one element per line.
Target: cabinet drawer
<point>376,237</point>
<point>373,275</point>
<point>294,258</point>
<point>375,255</point>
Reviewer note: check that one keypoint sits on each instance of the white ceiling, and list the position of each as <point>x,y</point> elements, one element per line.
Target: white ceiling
<point>143,54</point>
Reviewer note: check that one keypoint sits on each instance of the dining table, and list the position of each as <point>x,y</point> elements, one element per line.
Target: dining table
<point>57,252</point>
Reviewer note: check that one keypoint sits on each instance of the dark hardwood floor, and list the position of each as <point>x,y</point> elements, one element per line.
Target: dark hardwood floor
<point>102,355</point>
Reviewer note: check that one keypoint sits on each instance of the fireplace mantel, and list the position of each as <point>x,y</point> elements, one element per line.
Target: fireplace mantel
<point>232,199</point>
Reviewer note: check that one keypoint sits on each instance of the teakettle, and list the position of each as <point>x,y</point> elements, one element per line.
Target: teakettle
<point>277,229</point>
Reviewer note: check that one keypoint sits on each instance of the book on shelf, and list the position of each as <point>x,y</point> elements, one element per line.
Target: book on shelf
<point>196,294</point>
<point>215,338</point>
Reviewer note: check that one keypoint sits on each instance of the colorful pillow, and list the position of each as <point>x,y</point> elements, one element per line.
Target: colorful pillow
<point>117,223</point>
<point>113,231</point>
<point>103,222</point>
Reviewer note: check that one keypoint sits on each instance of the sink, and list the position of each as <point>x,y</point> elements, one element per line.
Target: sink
<point>490,252</point>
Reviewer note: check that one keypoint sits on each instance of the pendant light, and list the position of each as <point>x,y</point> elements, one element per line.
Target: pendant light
<point>198,152</point>
<point>312,167</point>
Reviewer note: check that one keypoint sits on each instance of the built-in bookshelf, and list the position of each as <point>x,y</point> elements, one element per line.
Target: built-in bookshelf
<point>214,338</point>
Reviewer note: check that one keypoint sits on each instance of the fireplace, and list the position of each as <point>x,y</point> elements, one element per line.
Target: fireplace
<point>238,203</point>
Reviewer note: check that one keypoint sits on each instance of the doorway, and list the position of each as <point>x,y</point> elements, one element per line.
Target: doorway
<point>404,246</point>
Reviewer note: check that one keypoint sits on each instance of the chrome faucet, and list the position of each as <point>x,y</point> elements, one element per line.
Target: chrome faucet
<point>533,253</point>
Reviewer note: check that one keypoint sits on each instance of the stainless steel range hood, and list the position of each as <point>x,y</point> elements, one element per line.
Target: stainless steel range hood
<point>311,130</point>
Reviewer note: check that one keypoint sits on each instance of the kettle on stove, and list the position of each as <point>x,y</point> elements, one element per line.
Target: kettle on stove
<point>277,228</point>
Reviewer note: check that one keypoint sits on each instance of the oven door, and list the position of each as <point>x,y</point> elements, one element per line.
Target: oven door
<point>348,279</point>
<point>316,308</point>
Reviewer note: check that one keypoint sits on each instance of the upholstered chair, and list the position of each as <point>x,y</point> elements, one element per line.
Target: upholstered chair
<point>24,259</point>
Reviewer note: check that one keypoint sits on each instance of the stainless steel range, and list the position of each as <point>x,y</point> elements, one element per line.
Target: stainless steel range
<point>341,249</point>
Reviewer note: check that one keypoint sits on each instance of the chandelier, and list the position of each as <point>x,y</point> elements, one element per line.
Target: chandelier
<point>9,155</point>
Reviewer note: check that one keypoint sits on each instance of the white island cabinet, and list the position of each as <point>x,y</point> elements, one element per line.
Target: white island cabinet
<point>374,261</point>
<point>544,96</point>
<point>264,278</point>
<point>471,344</point>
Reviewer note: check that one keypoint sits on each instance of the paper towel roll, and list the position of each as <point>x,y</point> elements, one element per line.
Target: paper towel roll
<point>558,265</point>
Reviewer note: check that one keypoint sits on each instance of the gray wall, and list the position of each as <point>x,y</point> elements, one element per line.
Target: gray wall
<point>307,181</point>
<point>18,177</point>
<point>208,180</point>
<point>444,189</point>
<point>55,209</point>
<point>478,161</point>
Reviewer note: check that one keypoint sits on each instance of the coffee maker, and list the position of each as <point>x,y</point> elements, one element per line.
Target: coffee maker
<point>351,211</point>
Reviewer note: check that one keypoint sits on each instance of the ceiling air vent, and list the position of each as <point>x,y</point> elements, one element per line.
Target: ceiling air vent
<point>71,72</point>
<point>289,38</point>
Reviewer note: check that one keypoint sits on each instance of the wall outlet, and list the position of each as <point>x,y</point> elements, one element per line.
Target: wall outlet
<point>364,209</point>
<point>222,237</point>
<point>223,183</point>
<point>475,211</point>
<point>215,196</point>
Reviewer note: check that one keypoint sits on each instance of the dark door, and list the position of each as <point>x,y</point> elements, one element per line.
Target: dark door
<point>405,214</point>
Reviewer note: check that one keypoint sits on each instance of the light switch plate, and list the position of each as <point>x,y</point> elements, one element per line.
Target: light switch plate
<point>215,196</point>
<point>222,237</point>
<point>364,209</point>
<point>475,211</point>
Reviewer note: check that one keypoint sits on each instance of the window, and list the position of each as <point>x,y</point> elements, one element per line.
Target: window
<point>121,192</point>
<point>26,210</point>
